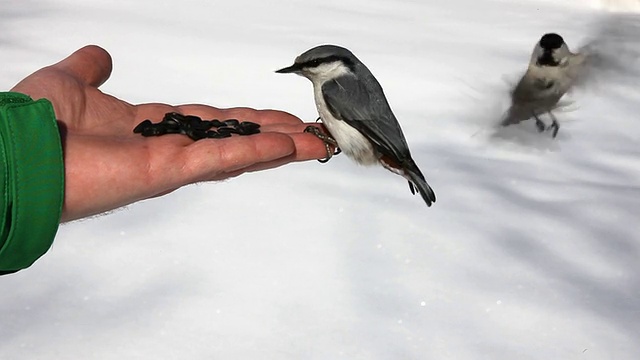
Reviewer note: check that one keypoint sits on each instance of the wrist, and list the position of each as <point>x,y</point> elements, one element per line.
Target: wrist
<point>32,177</point>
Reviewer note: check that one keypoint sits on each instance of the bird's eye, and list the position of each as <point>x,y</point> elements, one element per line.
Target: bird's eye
<point>314,63</point>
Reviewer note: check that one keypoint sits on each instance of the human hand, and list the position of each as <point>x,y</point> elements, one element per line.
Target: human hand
<point>107,166</point>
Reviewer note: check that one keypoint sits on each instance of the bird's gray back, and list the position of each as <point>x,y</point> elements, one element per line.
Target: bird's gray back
<point>359,100</point>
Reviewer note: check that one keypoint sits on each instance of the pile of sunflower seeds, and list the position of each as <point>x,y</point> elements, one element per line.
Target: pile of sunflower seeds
<point>196,128</point>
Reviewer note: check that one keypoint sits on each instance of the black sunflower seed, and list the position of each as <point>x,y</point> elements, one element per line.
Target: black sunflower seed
<point>143,125</point>
<point>231,122</point>
<point>171,124</point>
<point>216,135</point>
<point>216,123</point>
<point>195,128</point>
<point>197,134</point>
<point>153,131</point>
<point>248,128</point>
<point>228,130</point>
<point>173,116</point>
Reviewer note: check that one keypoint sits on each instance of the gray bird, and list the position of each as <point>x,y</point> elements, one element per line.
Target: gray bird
<point>552,71</point>
<point>353,108</point>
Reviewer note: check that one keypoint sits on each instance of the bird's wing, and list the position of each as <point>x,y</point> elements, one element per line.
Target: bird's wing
<point>533,87</point>
<point>349,100</point>
<point>533,94</point>
<point>612,50</point>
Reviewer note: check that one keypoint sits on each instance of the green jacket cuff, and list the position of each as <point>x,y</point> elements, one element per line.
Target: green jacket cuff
<point>32,177</point>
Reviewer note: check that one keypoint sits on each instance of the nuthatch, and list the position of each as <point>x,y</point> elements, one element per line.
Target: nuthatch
<point>353,108</point>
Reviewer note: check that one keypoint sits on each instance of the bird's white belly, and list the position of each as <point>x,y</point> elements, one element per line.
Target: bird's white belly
<point>351,141</point>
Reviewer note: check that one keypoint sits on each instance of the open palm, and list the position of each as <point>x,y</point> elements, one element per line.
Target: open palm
<point>107,166</point>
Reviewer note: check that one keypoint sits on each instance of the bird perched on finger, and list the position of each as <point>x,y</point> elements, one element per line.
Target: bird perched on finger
<point>355,111</point>
<point>553,70</point>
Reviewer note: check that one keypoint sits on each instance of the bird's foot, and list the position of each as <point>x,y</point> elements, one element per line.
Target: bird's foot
<point>540,125</point>
<point>554,127</point>
<point>328,142</point>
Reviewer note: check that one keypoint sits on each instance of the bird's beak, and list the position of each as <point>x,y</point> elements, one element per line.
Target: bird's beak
<point>291,69</point>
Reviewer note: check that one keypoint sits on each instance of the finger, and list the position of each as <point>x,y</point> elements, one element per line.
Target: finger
<point>90,64</point>
<point>308,147</point>
<point>208,158</point>
<point>257,167</point>
<point>264,117</point>
<point>292,128</point>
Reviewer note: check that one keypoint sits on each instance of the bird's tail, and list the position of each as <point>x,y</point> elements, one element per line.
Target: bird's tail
<point>418,182</point>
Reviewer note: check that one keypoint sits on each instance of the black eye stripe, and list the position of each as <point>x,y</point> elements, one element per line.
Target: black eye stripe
<point>325,60</point>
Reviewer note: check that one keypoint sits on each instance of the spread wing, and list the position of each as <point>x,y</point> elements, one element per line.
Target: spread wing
<point>349,100</point>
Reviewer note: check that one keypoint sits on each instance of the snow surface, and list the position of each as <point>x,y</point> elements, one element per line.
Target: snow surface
<point>531,251</point>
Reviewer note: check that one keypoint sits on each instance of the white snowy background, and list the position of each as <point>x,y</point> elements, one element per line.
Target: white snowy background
<point>531,251</point>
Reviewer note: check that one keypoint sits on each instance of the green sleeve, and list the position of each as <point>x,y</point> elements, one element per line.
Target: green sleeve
<point>32,180</point>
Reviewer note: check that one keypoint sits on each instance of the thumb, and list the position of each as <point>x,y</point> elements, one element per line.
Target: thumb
<point>90,64</point>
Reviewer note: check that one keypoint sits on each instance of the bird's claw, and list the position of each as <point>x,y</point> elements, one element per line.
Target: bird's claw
<point>540,125</point>
<point>328,142</point>
<point>554,127</point>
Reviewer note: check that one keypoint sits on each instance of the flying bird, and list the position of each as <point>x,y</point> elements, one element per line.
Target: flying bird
<point>553,70</point>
